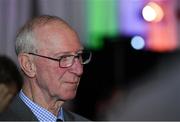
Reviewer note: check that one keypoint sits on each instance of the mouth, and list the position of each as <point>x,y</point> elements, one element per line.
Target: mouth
<point>72,82</point>
<point>71,85</point>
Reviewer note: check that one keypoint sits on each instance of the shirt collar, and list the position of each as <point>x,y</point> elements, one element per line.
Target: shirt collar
<point>41,113</point>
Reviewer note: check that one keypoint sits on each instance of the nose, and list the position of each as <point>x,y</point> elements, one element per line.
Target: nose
<point>77,67</point>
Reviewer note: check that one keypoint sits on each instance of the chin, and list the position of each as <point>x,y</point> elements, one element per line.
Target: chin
<point>68,96</point>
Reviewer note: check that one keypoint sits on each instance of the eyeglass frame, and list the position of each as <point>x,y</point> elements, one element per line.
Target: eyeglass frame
<point>61,57</point>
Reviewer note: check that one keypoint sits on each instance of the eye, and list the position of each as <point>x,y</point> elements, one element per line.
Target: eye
<point>66,58</point>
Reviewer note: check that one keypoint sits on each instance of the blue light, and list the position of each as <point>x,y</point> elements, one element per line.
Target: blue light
<point>137,42</point>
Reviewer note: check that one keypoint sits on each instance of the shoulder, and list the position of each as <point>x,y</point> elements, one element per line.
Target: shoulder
<point>17,110</point>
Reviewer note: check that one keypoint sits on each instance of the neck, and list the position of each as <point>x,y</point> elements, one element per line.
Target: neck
<point>41,97</point>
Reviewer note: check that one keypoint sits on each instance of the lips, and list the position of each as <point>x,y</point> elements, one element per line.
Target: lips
<point>72,82</point>
<point>71,85</point>
<point>75,83</point>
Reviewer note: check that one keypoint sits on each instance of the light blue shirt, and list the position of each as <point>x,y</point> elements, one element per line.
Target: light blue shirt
<point>41,113</point>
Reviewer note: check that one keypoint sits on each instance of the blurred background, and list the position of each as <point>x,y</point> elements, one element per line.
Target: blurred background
<point>134,43</point>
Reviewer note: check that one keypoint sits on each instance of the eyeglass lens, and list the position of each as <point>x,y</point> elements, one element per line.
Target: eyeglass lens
<point>67,61</point>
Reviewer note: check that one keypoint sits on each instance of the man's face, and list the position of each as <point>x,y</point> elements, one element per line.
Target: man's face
<point>53,81</point>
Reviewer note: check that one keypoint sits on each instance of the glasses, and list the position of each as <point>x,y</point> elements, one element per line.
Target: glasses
<point>68,60</point>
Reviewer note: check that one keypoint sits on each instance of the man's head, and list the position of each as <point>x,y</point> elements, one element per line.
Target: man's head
<point>9,73</point>
<point>48,51</point>
<point>10,81</point>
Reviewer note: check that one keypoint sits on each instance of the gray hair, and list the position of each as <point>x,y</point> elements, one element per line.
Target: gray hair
<point>25,40</point>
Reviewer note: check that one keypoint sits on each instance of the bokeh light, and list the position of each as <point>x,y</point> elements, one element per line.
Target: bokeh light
<point>137,42</point>
<point>152,12</point>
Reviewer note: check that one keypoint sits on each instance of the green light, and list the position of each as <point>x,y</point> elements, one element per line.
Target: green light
<point>101,21</point>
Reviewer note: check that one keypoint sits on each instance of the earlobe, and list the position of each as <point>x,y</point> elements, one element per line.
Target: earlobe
<point>27,65</point>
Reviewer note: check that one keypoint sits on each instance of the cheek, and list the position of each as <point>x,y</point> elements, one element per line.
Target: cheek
<point>48,72</point>
<point>47,67</point>
<point>44,71</point>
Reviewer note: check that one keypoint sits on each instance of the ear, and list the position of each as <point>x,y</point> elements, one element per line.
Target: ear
<point>27,65</point>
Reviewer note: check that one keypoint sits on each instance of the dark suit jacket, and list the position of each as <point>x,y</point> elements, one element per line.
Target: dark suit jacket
<point>18,111</point>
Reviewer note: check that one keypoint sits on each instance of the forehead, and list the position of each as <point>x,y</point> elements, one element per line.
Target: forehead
<point>57,37</point>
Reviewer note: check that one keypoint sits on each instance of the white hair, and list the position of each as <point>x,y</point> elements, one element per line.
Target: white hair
<point>25,40</point>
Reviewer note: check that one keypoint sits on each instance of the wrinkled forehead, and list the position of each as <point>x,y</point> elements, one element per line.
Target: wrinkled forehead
<point>57,37</point>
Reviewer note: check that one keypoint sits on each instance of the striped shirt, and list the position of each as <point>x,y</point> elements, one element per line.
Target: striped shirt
<point>41,113</point>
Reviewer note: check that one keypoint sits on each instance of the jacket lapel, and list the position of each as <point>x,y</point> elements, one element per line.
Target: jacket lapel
<point>21,111</point>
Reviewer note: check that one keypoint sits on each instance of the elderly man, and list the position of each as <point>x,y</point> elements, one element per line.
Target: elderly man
<point>51,57</point>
